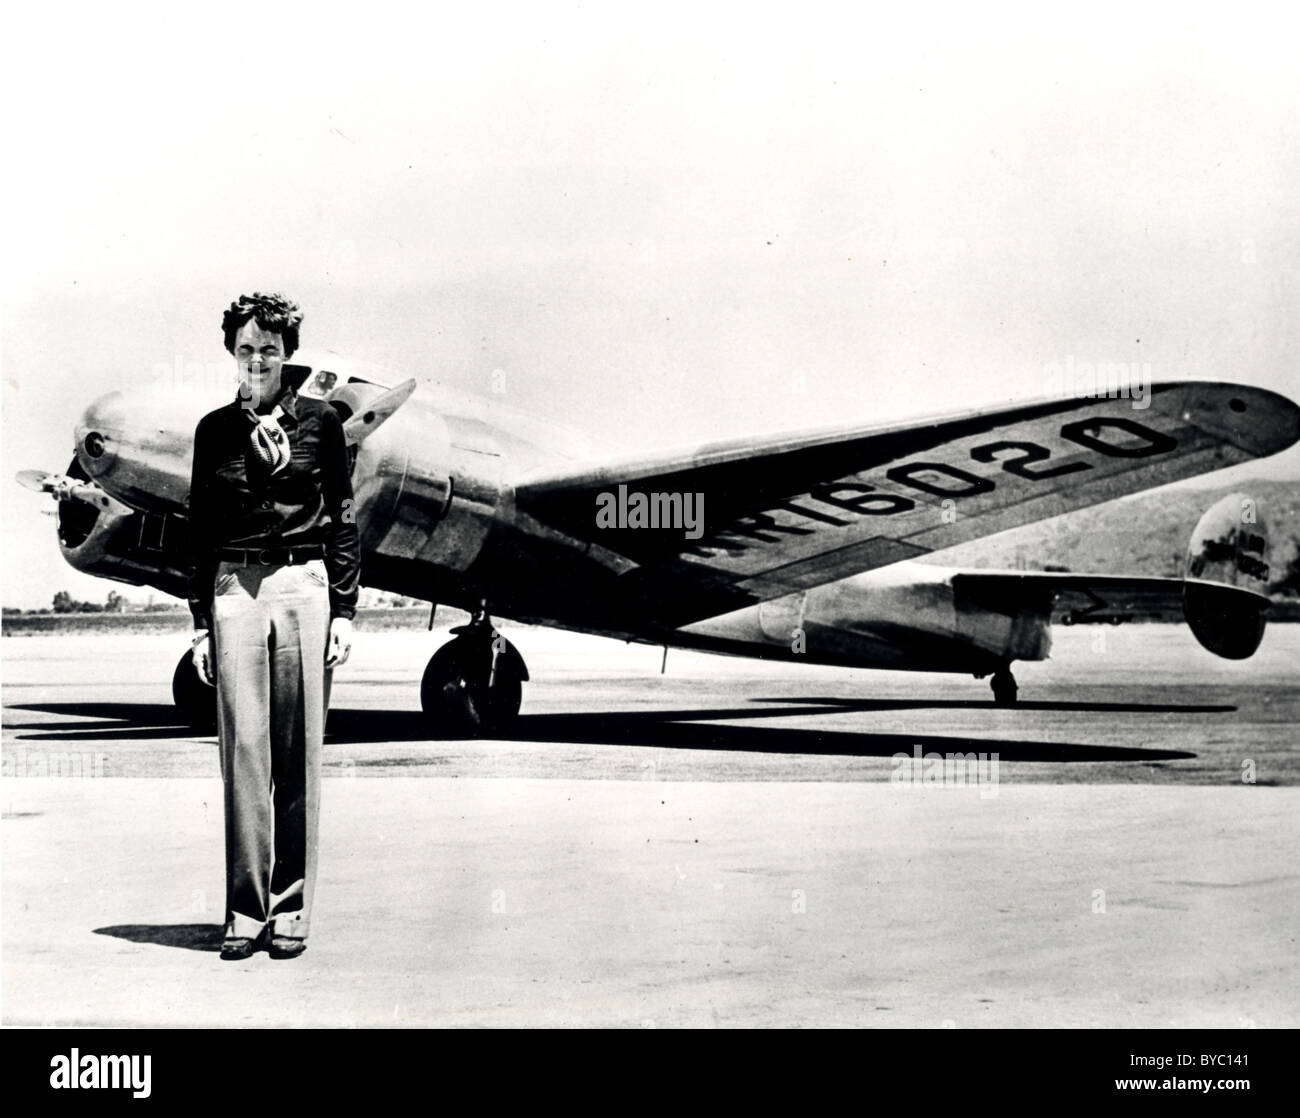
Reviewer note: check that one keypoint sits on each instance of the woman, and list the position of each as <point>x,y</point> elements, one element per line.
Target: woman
<point>273,589</point>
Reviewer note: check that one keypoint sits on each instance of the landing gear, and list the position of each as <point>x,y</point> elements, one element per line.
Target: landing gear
<point>474,684</point>
<point>195,700</point>
<point>1004,687</point>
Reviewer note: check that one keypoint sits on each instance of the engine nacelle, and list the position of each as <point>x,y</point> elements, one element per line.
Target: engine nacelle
<point>906,616</point>
<point>108,539</point>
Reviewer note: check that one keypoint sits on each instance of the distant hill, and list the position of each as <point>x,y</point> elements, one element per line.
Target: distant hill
<point>1146,534</point>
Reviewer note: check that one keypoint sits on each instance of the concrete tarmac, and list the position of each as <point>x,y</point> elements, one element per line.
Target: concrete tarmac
<point>727,844</point>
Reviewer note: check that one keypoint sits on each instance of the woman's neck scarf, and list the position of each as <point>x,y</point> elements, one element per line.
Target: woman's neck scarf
<point>270,443</point>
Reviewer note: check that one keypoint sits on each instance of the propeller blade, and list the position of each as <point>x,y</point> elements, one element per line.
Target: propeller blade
<point>364,423</point>
<point>38,481</point>
<point>64,488</point>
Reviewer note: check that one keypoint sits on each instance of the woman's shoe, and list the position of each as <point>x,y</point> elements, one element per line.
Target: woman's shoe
<point>238,947</point>
<point>286,947</point>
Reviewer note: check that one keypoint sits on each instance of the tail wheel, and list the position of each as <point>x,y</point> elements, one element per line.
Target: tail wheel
<point>195,700</point>
<point>462,695</point>
<point>1004,687</point>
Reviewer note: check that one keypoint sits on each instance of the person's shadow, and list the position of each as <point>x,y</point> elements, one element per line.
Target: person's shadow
<point>195,937</point>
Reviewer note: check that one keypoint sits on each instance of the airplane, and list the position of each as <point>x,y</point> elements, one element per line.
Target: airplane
<point>799,547</point>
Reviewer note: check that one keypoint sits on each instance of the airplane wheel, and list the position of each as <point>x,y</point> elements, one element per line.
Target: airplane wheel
<point>454,692</point>
<point>1004,687</point>
<point>195,700</point>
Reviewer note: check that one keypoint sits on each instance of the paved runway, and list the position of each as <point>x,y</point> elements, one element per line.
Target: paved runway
<point>720,845</point>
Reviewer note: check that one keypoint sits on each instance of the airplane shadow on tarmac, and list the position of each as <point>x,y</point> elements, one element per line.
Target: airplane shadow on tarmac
<point>114,722</point>
<point>697,728</point>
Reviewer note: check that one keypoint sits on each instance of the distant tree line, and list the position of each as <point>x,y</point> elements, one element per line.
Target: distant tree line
<point>116,603</point>
<point>64,602</point>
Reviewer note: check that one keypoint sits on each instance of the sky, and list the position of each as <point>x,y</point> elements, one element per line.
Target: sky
<point>658,224</point>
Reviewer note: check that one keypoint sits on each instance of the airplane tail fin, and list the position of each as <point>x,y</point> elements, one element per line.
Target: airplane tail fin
<point>1228,553</point>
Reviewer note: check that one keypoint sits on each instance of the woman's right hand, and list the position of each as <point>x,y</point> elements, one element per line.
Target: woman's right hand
<point>202,657</point>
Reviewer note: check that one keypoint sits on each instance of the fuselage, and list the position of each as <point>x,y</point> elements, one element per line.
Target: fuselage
<point>435,487</point>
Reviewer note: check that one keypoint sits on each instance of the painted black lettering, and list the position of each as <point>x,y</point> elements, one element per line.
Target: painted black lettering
<point>906,475</point>
<point>1085,431</point>
<point>862,504</point>
<point>1249,565</point>
<point>1030,452</point>
<point>755,524</point>
<point>811,514</point>
<point>1216,551</point>
<point>715,544</point>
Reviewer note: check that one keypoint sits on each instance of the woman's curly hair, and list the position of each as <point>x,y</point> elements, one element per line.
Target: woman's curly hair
<point>274,313</point>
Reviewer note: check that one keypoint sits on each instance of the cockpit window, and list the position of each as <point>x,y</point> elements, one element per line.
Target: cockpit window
<point>320,385</point>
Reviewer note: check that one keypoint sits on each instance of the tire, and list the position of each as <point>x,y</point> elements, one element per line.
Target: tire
<point>196,701</point>
<point>1004,688</point>
<point>454,693</point>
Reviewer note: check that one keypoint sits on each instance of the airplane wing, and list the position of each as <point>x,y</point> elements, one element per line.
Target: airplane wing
<point>786,513</point>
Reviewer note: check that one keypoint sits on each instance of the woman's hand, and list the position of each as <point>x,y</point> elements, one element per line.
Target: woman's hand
<point>202,657</point>
<point>340,642</point>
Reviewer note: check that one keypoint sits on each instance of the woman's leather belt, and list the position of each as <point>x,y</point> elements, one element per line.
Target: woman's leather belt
<point>271,556</point>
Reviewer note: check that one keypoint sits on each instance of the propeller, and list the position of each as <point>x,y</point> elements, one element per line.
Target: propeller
<point>34,480</point>
<point>64,488</point>
<point>364,423</point>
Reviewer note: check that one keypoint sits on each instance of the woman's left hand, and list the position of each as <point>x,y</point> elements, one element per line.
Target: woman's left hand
<point>340,643</point>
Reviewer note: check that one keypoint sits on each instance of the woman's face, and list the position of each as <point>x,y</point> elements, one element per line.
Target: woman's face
<point>260,357</point>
